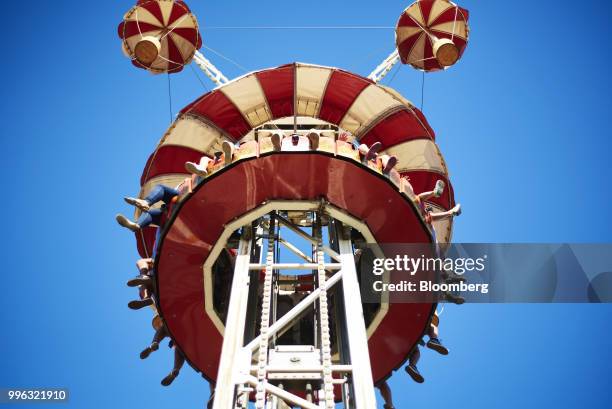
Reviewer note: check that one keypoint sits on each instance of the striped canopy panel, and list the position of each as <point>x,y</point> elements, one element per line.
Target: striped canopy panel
<point>421,23</point>
<point>369,111</point>
<point>172,23</point>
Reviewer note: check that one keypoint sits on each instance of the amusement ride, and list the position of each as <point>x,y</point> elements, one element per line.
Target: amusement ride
<point>296,162</point>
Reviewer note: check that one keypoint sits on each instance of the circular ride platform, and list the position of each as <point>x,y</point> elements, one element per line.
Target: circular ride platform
<point>248,109</point>
<point>200,220</point>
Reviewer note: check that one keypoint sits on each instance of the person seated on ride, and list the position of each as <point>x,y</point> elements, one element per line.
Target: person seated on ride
<point>346,145</point>
<point>297,142</point>
<point>368,153</point>
<point>234,151</point>
<point>267,141</point>
<point>430,216</point>
<point>179,360</point>
<point>160,193</point>
<point>385,392</point>
<point>326,140</point>
<point>145,276</point>
<point>347,137</point>
<point>369,156</point>
<point>314,140</point>
<point>433,343</point>
<point>146,281</point>
<point>205,166</point>
<point>386,163</point>
<point>411,368</point>
<point>160,333</point>
<point>427,211</point>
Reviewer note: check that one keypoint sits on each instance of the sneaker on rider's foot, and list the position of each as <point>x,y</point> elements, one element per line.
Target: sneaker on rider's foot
<point>374,148</point>
<point>228,151</point>
<point>456,210</point>
<point>415,374</point>
<point>145,353</point>
<point>454,299</point>
<point>276,141</point>
<point>140,280</point>
<point>138,304</point>
<point>142,204</point>
<point>436,345</point>
<point>196,169</point>
<point>127,223</point>
<point>167,381</point>
<point>313,137</point>
<point>390,165</point>
<point>439,189</point>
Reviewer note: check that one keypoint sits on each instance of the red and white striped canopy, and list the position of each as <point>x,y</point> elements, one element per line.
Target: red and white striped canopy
<point>370,111</point>
<point>422,23</point>
<point>171,23</point>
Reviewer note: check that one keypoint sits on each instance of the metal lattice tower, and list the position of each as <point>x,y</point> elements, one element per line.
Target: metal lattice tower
<point>255,362</point>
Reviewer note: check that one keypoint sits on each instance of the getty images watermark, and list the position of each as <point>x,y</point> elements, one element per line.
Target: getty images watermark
<point>485,273</point>
<point>422,264</point>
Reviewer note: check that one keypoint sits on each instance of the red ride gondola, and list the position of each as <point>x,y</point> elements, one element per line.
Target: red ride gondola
<point>432,35</point>
<point>160,35</point>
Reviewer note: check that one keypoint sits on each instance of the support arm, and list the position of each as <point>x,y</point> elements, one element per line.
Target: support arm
<point>209,69</point>
<point>383,69</point>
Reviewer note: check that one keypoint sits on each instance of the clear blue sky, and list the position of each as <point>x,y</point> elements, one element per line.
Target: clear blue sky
<point>523,121</point>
